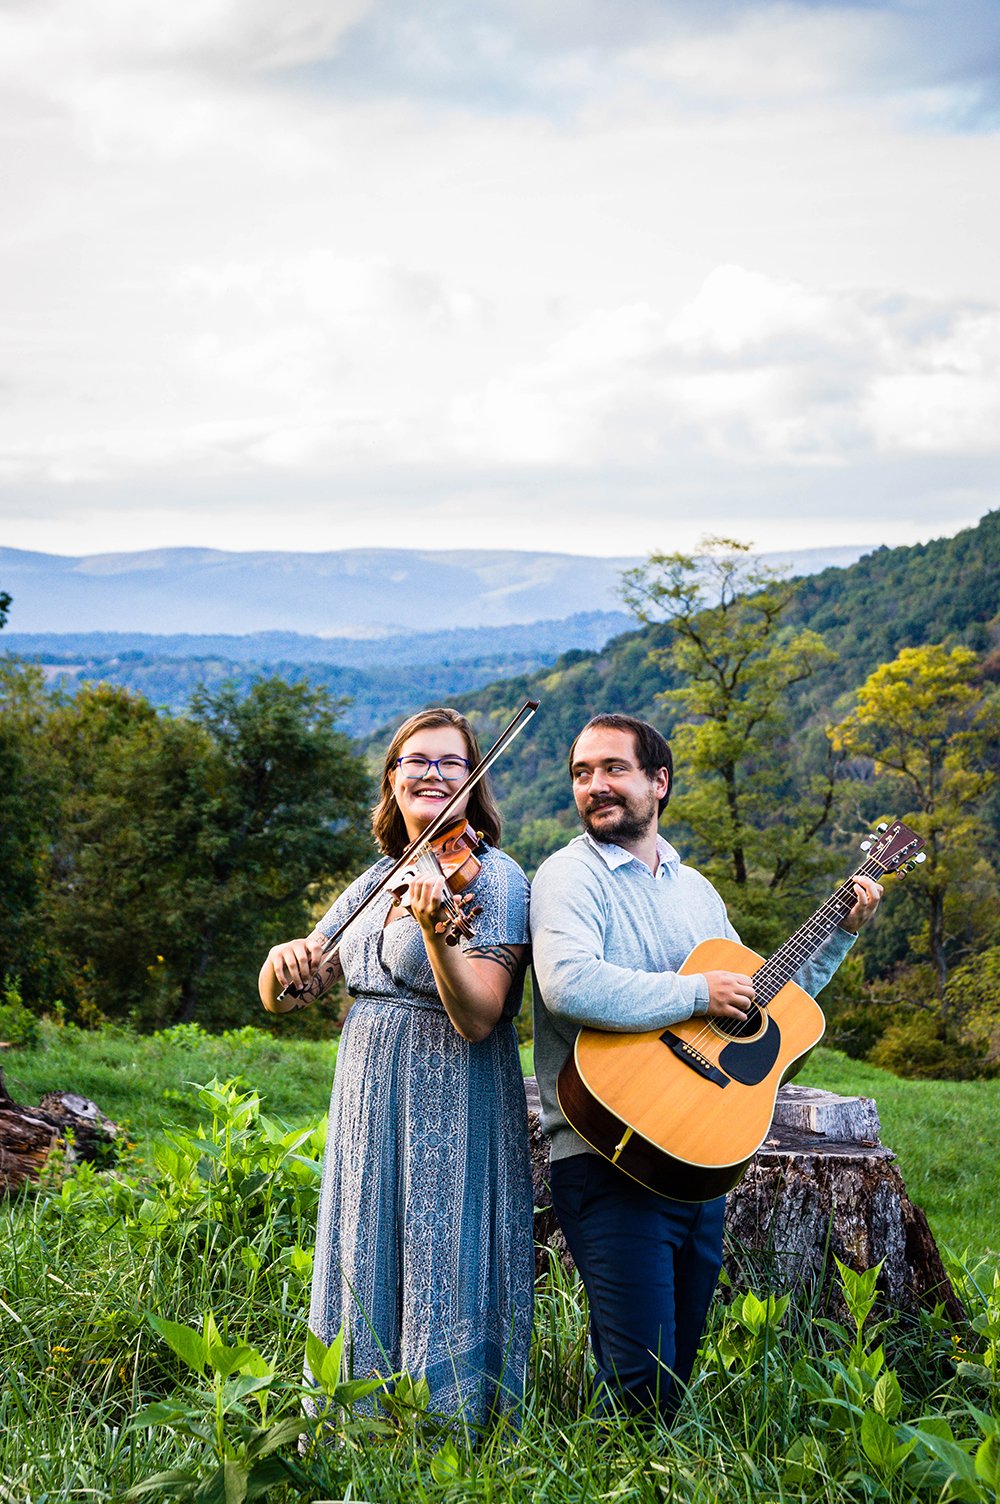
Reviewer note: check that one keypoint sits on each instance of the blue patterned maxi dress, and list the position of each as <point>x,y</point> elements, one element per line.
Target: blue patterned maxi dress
<point>424,1245</point>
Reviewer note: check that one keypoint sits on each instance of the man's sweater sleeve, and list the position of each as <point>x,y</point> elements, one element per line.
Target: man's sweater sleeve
<point>577,984</point>
<point>815,973</point>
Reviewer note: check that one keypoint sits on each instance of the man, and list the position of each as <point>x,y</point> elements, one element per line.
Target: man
<point>613,915</point>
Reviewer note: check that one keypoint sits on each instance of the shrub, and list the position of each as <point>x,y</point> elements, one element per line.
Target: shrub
<point>917,1046</point>
<point>18,1025</point>
<point>973,995</point>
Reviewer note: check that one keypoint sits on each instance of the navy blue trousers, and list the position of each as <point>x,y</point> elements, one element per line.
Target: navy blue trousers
<point>649,1266</point>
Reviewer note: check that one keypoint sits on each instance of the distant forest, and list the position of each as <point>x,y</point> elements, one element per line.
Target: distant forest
<point>374,679</point>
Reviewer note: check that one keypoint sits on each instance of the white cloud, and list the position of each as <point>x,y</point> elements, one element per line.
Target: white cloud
<point>351,248</point>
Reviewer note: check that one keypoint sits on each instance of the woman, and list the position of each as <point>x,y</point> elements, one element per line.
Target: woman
<point>424,1244</point>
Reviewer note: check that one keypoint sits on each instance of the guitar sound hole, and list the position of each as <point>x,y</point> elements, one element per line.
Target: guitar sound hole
<point>742,1028</point>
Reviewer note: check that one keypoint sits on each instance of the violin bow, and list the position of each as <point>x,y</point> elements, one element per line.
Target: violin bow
<point>439,823</point>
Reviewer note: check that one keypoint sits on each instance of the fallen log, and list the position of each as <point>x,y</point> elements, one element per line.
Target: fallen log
<point>62,1120</point>
<point>821,1185</point>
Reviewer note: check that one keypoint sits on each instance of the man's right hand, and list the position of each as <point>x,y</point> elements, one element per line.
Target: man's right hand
<point>730,994</point>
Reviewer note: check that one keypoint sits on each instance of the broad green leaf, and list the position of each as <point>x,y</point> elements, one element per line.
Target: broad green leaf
<point>228,1360</point>
<point>879,1443</point>
<point>186,1343</point>
<point>988,1461</point>
<point>267,1475</point>
<point>753,1312</point>
<point>180,1485</point>
<point>888,1398</point>
<point>236,1476</point>
<point>160,1413</point>
<point>315,1353</point>
<point>245,1384</point>
<point>269,1438</point>
<point>445,1464</point>
<point>807,1457</point>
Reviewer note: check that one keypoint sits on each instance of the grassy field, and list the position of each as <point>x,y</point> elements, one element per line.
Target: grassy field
<point>152,1324</point>
<point>944,1132</point>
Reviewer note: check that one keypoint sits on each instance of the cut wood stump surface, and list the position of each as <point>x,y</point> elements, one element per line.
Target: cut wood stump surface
<point>62,1120</point>
<point>822,1184</point>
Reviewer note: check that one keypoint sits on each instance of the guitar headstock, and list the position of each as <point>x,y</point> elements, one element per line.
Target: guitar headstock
<point>894,848</point>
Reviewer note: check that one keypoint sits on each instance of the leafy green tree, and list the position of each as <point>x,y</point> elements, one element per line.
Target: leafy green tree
<point>5,605</point>
<point>29,797</point>
<point>928,722</point>
<point>288,821</point>
<point>537,839</point>
<point>186,845</point>
<point>974,996</point>
<point>753,794</point>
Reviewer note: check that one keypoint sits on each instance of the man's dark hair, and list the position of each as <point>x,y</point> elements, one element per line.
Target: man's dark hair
<point>652,750</point>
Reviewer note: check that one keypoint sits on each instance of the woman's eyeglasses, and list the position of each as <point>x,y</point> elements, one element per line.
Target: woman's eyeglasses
<point>451,769</point>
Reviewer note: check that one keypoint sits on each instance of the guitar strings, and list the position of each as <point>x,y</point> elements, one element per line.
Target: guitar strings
<point>797,949</point>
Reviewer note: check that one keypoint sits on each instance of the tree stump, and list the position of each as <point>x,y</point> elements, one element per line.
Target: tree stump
<point>821,1185</point>
<point>63,1120</point>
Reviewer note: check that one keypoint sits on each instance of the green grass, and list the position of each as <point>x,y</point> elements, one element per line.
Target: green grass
<point>138,1080</point>
<point>86,1262</point>
<point>943,1132</point>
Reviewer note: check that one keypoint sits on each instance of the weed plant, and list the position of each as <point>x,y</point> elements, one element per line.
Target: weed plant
<point>153,1332</point>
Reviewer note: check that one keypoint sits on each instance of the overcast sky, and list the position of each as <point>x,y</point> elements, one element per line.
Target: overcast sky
<point>598,276</point>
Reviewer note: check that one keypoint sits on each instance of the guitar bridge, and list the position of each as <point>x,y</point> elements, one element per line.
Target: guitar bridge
<point>693,1058</point>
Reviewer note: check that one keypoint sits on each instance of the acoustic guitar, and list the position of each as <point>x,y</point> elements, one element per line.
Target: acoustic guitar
<point>683,1110</point>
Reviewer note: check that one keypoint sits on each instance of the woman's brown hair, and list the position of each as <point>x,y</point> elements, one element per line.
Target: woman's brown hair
<point>482,814</point>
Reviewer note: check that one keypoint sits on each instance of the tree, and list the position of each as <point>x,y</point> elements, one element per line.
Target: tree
<point>28,799</point>
<point>289,820</point>
<point>5,605</point>
<point>746,790</point>
<point>185,846</point>
<point>927,722</point>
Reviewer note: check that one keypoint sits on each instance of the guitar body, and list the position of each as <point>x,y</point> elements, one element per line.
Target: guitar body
<point>682,1110</point>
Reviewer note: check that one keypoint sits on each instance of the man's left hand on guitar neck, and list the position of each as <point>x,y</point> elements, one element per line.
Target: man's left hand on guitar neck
<point>869,896</point>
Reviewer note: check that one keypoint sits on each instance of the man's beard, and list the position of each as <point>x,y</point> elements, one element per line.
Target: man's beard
<point>631,823</point>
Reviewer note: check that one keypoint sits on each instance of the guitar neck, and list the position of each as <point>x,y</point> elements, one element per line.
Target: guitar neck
<point>810,937</point>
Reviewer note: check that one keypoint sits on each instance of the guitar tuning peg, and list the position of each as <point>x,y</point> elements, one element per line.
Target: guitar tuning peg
<point>867,843</point>
<point>882,828</point>
<point>921,856</point>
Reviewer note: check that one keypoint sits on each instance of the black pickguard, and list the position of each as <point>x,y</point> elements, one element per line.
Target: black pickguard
<point>751,1060</point>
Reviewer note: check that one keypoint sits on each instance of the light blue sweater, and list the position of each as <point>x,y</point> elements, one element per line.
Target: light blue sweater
<point>607,938</point>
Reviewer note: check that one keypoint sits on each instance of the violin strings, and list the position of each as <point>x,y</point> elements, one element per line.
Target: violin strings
<point>427,863</point>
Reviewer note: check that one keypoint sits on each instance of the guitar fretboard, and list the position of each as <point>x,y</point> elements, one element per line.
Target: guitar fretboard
<point>806,941</point>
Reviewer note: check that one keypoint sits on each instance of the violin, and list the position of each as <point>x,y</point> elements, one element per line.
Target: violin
<point>454,855</point>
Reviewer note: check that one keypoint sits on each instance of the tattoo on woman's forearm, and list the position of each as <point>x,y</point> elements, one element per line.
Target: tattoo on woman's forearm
<point>321,981</point>
<point>502,955</point>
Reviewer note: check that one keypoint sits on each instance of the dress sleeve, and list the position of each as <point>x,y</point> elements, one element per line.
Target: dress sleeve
<point>502,891</point>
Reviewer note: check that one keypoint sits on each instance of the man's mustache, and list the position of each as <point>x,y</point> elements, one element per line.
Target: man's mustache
<point>605,801</point>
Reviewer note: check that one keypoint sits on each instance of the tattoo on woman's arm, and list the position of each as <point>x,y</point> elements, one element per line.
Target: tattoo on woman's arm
<point>320,982</point>
<point>502,955</point>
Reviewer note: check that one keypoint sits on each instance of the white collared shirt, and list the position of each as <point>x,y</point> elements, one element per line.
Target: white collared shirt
<point>668,860</point>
